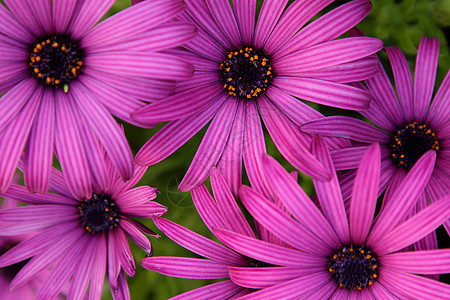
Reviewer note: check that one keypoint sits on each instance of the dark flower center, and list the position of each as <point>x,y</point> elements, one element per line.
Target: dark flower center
<point>246,73</point>
<point>257,263</point>
<point>411,142</point>
<point>353,267</point>
<point>99,214</point>
<point>55,61</point>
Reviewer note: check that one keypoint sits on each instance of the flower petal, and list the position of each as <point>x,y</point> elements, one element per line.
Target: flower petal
<point>211,147</point>
<point>219,290</point>
<point>365,194</point>
<point>439,112</point>
<point>425,76</point>
<point>186,267</point>
<point>269,16</point>
<point>244,12</point>
<point>418,262</point>
<point>223,15</point>
<point>324,92</point>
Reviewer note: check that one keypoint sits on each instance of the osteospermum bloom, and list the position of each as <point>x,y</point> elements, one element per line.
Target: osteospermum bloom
<point>223,212</point>
<point>242,68</point>
<point>64,78</point>
<point>408,124</point>
<point>350,257</point>
<point>82,238</point>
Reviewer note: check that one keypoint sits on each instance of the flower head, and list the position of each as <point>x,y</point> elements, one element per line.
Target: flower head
<point>82,238</point>
<point>243,70</point>
<point>350,256</point>
<point>408,124</point>
<point>63,77</point>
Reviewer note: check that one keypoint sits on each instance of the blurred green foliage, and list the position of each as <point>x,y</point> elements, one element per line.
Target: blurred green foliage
<point>397,23</point>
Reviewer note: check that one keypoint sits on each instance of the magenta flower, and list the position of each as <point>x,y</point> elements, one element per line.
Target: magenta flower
<point>355,256</point>
<point>82,238</point>
<point>63,79</point>
<point>242,68</point>
<point>407,125</point>
<point>224,213</point>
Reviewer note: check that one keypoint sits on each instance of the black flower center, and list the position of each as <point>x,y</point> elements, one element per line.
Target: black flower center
<point>99,214</point>
<point>353,267</point>
<point>411,142</point>
<point>55,61</point>
<point>246,73</point>
<point>257,263</point>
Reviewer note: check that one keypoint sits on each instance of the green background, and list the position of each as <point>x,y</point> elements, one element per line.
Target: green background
<point>397,23</point>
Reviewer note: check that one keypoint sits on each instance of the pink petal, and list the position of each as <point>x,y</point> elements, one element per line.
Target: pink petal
<point>230,164</point>
<point>439,112</point>
<point>419,262</point>
<point>39,155</point>
<point>348,158</point>
<point>199,244</point>
<point>244,12</point>
<point>325,92</point>
<point>136,236</point>
<point>290,141</point>
<point>268,18</point>
<point>403,81</point>
<point>365,194</point>
<point>98,269</point>
<point>220,290</point>
<point>174,134</point>
<point>425,76</point>
<point>223,15</point>
<point>62,14</point>
<point>227,205</point>
<point>10,26</point>
<point>268,252</point>
<point>211,147</point>
<point>207,208</point>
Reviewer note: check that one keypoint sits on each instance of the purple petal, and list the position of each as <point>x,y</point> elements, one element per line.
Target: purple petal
<point>58,184</point>
<point>329,193</point>
<point>297,288</point>
<point>380,292</point>
<point>268,252</point>
<point>62,14</point>
<point>264,277</point>
<point>138,202</point>
<point>122,291</point>
<point>39,213</point>
<point>223,15</point>
<point>294,17</point>
<point>324,292</point>
<point>123,252</point>
<point>23,13</point>
<point>439,112</point>
<point>403,81</point>
<point>13,138</point>
<point>131,21</point>
<point>186,267</point>
<point>419,262</point>
<point>113,260</point>
<point>21,194</point>
<point>87,16</point>
<point>152,65</point>
<point>244,12</point>
<point>348,158</point>
<point>425,76</point>
<point>69,149</point>
<point>207,208</point>
<point>301,206</point>
<point>414,228</point>
<point>325,92</point>
<point>10,27</point>
<point>136,236</point>
<point>394,212</point>
<point>413,286</point>
<point>290,141</point>
<point>268,17</point>
<point>305,239</point>
<point>219,290</point>
<point>327,27</point>
<point>211,147</point>
<point>253,150</point>
<point>179,105</point>
<point>385,98</point>
<point>174,134</point>
<point>326,55</point>
<point>98,269</point>
<point>365,194</point>
<point>227,205</point>
<point>39,155</point>
<point>230,164</point>
<point>62,271</point>
<point>346,127</point>
<point>107,131</point>
<point>199,244</point>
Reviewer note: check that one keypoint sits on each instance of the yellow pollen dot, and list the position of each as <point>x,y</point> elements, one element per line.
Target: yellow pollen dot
<point>374,266</point>
<point>402,156</point>
<point>401,162</point>
<point>246,55</point>
<point>368,256</point>
<point>63,47</point>
<point>263,63</point>
<point>370,282</point>
<point>39,47</point>
<point>56,81</point>
<point>268,73</point>
<point>55,44</point>
<point>230,55</point>
<point>351,249</point>
<point>375,275</point>
<point>74,71</point>
<point>230,79</point>
<point>235,53</point>
<point>230,93</point>
<point>341,285</point>
<point>240,51</point>
<point>48,80</point>
<point>225,86</point>
<point>362,251</point>
<point>228,69</point>
<point>40,75</point>
<point>255,57</point>
<point>330,270</point>
<point>335,256</point>
<point>249,96</point>
<point>36,70</point>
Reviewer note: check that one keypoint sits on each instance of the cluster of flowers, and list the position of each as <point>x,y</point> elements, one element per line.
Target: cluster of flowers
<point>64,78</point>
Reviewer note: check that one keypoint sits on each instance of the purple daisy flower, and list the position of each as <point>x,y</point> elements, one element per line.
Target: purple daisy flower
<point>223,212</point>
<point>64,78</point>
<point>355,256</point>
<point>242,68</point>
<point>82,238</point>
<point>407,125</point>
